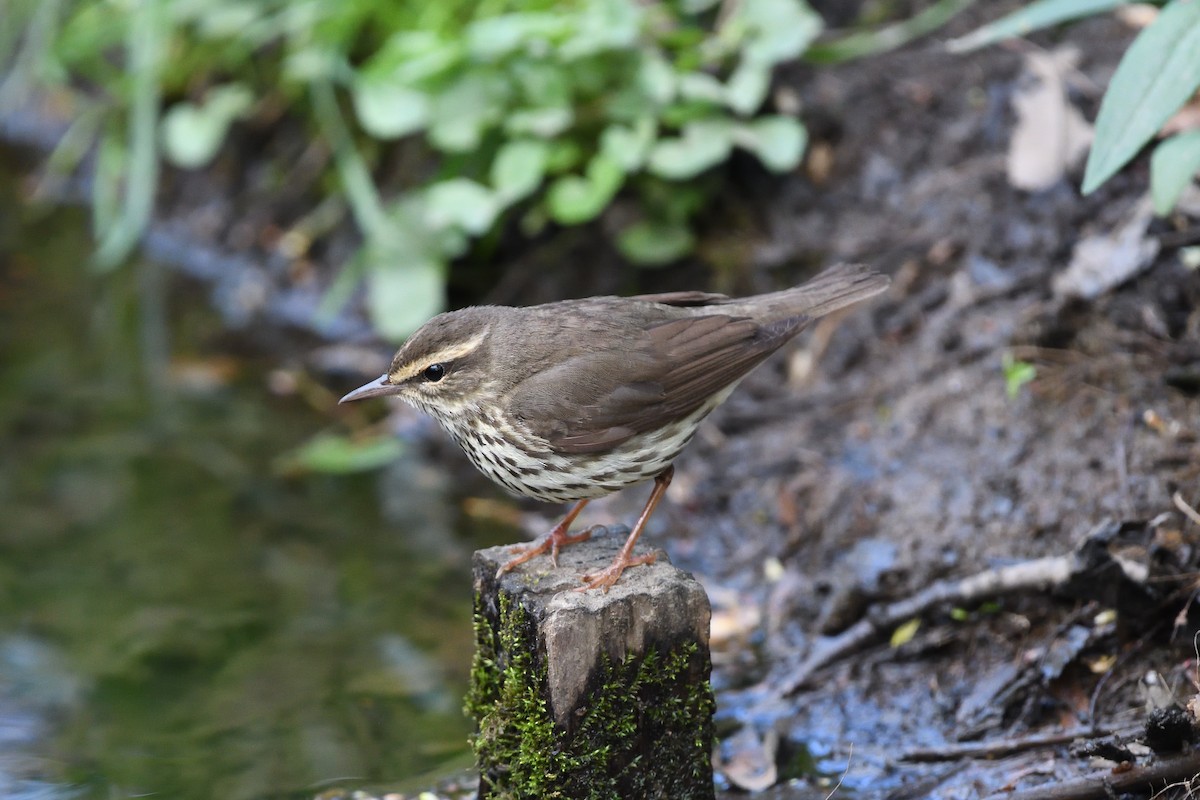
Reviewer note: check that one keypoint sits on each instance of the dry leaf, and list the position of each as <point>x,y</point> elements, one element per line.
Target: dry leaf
<point>749,759</point>
<point>1103,261</point>
<point>1051,135</point>
<point>1137,15</point>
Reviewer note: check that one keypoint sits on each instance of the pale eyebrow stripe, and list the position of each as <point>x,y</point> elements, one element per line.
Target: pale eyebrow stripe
<point>450,353</point>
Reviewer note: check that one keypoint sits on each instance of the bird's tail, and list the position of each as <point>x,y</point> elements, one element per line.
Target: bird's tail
<point>836,287</point>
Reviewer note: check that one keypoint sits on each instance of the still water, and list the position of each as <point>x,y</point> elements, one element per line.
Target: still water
<point>179,617</point>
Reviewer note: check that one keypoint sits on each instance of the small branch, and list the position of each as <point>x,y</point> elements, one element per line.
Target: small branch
<point>1038,575</point>
<point>1102,785</point>
<point>1187,510</point>
<point>1003,747</point>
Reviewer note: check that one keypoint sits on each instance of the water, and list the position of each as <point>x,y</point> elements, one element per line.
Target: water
<point>177,616</point>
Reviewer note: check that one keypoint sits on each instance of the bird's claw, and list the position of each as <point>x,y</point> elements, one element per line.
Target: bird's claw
<point>556,539</point>
<point>607,577</point>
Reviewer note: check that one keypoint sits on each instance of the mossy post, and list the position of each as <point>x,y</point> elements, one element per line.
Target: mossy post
<point>590,695</point>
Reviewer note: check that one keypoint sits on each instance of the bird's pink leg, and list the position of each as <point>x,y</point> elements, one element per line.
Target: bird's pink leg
<point>552,541</point>
<point>609,575</point>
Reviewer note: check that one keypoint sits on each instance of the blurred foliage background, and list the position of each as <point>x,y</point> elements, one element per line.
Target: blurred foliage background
<point>446,123</point>
<point>536,111</point>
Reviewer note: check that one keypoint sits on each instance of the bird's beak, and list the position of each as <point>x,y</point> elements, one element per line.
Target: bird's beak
<point>376,388</point>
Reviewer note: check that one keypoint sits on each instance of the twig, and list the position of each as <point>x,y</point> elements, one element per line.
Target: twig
<point>1183,506</point>
<point>1003,747</point>
<point>1130,652</point>
<point>842,777</point>
<point>1037,575</point>
<point>1104,784</point>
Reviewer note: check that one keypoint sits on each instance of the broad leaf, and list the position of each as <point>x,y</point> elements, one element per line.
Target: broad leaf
<point>401,296</point>
<point>1033,17</point>
<point>704,144</point>
<point>655,244</point>
<point>331,453</point>
<point>628,146</point>
<point>518,168</point>
<point>1173,166</point>
<point>388,109</point>
<point>777,141</point>
<point>193,133</point>
<point>1157,74</point>
<point>462,203</point>
<point>573,199</point>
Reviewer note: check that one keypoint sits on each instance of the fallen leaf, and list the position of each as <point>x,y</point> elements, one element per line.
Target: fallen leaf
<point>748,759</point>
<point>1103,261</point>
<point>1051,135</point>
<point>1137,15</point>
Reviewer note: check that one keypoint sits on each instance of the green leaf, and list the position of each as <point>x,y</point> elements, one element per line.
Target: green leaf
<point>775,30</point>
<point>402,296</point>
<point>388,109</point>
<point>462,203</point>
<point>544,123</point>
<point>1157,74</point>
<point>563,155</point>
<point>889,37</point>
<point>704,144</point>
<point>905,632</point>
<point>225,20</point>
<point>654,244</point>
<point>541,84</point>
<point>657,78</point>
<point>701,86</point>
<point>518,169</point>
<point>603,25</point>
<point>192,134</point>
<point>415,58</point>
<point>311,63</point>
<point>747,87</point>
<point>145,50</point>
<point>340,455</point>
<point>112,162</point>
<point>493,38</point>
<point>1026,20</point>
<point>778,141</point>
<point>1016,374</point>
<point>573,199</point>
<point>464,110</point>
<point>1173,166</point>
<point>628,146</point>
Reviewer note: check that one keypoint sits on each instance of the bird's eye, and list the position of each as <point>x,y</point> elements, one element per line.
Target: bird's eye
<point>434,373</point>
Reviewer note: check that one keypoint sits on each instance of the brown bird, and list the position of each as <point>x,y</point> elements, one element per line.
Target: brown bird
<point>574,400</point>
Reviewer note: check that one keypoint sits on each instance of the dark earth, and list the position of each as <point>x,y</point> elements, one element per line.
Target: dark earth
<point>883,453</point>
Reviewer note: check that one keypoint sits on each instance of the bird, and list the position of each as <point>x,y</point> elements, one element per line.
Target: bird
<point>572,400</point>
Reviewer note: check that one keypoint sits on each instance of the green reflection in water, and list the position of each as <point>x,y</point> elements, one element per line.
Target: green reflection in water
<point>176,617</point>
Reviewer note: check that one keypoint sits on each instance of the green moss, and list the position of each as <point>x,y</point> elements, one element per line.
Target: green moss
<point>646,733</point>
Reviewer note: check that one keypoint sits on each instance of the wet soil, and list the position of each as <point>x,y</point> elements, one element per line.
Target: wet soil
<point>883,453</point>
<point>899,459</point>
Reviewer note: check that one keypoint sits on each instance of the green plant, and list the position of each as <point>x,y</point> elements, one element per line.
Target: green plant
<point>1016,374</point>
<point>532,108</point>
<point>1158,74</point>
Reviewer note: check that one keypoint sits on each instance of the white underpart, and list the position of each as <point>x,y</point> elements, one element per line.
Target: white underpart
<point>533,470</point>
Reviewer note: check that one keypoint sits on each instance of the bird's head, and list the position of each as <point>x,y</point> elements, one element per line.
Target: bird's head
<point>442,368</point>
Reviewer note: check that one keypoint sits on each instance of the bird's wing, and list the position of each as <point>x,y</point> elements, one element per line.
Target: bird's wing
<point>684,299</point>
<point>595,401</point>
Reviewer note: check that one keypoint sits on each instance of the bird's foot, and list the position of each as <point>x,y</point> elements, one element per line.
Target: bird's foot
<point>554,540</point>
<point>608,576</point>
